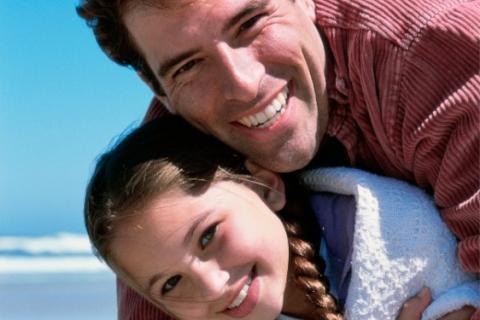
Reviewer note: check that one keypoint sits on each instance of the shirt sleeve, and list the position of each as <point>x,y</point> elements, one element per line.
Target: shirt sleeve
<point>440,91</point>
<point>155,110</point>
<point>412,88</point>
<point>132,306</point>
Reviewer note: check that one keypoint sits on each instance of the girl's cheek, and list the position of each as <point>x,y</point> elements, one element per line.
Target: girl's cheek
<point>238,244</point>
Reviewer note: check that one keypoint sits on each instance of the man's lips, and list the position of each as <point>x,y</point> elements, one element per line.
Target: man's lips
<point>269,115</point>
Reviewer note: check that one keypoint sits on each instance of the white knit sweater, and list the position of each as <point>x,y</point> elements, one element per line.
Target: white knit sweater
<point>400,246</point>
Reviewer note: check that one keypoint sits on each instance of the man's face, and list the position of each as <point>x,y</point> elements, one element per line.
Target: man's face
<point>250,72</point>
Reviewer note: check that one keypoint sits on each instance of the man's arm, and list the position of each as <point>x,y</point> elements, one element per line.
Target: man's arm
<point>155,110</point>
<point>132,306</point>
<point>441,144</point>
<point>413,87</point>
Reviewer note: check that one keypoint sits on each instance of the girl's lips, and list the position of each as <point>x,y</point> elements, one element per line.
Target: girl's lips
<point>250,301</point>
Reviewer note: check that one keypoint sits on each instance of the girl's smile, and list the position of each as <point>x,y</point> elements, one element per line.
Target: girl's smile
<point>246,299</point>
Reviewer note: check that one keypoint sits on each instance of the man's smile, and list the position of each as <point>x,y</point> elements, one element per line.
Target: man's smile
<point>269,115</point>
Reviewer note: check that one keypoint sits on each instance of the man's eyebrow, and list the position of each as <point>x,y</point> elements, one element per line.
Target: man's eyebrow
<point>171,62</point>
<point>188,237</point>
<point>245,11</point>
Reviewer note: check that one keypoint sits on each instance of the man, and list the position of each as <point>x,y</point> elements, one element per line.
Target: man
<point>395,82</point>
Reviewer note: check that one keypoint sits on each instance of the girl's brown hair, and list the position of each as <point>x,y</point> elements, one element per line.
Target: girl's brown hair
<point>167,153</point>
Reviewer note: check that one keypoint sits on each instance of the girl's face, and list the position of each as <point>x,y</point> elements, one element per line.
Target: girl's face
<point>221,255</point>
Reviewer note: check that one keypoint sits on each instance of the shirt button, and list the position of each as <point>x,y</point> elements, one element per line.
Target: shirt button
<point>340,84</point>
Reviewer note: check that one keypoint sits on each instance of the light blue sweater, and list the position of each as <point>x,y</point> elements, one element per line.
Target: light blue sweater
<point>400,245</point>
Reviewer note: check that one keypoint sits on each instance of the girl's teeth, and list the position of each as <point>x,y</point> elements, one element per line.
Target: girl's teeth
<point>241,296</point>
<point>243,293</point>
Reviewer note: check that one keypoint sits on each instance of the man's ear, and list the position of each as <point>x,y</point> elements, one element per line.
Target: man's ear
<point>162,98</point>
<point>309,7</point>
<point>273,189</point>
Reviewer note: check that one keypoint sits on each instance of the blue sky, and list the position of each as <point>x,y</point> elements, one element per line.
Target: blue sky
<point>62,101</point>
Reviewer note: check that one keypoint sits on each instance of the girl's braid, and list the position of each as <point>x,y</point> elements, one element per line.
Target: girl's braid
<point>307,276</point>
<point>304,242</point>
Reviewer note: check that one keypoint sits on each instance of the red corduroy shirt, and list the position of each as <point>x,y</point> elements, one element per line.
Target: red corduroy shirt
<point>404,88</point>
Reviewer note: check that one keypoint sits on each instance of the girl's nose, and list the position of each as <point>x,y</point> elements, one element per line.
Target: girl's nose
<point>210,280</point>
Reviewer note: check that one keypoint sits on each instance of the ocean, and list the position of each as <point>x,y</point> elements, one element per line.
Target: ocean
<point>54,277</point>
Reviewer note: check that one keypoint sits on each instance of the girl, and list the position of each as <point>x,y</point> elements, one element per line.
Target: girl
<point>179,218</point>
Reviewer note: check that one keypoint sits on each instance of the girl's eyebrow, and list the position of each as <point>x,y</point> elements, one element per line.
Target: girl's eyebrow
<point>153,280</point>
<point>194,225</point>
<point>188,238</point>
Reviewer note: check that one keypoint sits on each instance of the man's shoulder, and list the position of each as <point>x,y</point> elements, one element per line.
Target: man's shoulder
<point>396,21</point>
<point>155,110</point>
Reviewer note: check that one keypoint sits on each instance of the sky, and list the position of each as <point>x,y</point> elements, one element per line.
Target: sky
<point>62,102</point>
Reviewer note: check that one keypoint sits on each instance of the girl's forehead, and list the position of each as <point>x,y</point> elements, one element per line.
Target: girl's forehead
<point>164,211</point>
<point>178,206</point>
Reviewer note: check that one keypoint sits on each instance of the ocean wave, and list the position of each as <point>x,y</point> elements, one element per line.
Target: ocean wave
<point>61,243</point>
<point>50,265</point>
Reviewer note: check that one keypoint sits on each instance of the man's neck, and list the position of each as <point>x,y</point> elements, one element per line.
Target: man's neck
<point>331,153</point>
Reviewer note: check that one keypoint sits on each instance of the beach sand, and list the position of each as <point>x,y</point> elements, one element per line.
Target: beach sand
<point>54,296</point>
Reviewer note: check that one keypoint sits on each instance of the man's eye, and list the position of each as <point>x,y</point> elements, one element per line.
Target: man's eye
<point>186,67</point>
<point>249,23</point>
<point>170,284</point>
<point>207,236</point>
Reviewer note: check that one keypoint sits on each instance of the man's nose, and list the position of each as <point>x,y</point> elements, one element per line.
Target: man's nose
<point>209,278</point>
<point>240,73</point>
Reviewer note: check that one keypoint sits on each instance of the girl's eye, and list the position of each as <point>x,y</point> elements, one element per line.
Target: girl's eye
<point>207,236</point>
<point>249,23</point>
<point>170,284</point>
<point>186,67</point>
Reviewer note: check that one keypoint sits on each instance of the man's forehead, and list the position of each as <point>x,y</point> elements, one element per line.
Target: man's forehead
<point>176,10</point>
<point>186,15</point>
<point>148,5</point>
<point>150,24</point>
<point>160,4</point>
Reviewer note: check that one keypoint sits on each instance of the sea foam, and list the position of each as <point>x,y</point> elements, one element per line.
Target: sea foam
<point>61,243</point>
<point>63,252</point>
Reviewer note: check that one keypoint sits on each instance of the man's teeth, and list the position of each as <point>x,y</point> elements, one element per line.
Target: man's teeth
<point>242,295</point>
<point>267,117</point>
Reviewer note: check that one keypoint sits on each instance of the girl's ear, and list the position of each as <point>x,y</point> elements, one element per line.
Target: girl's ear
<point>273,190</point>
<point>162,98</point>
